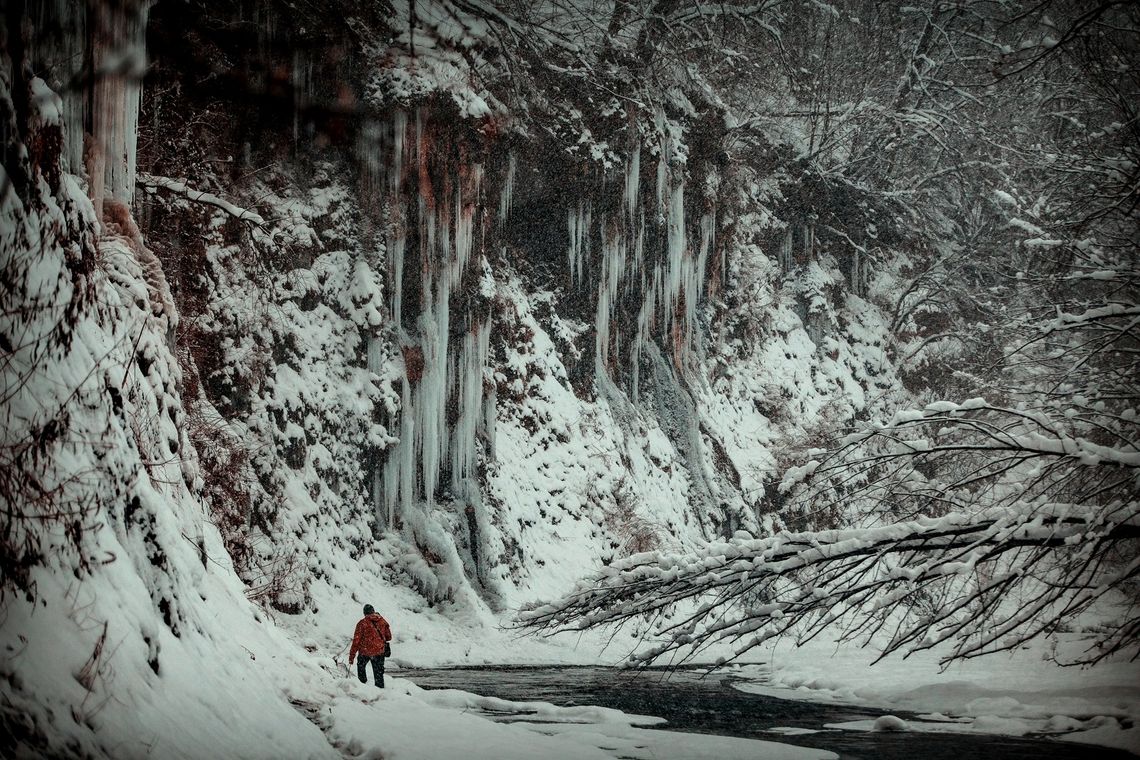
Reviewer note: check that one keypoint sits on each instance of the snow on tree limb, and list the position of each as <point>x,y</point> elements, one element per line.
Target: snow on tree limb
<point>747,592</point>
<point>198,196</point>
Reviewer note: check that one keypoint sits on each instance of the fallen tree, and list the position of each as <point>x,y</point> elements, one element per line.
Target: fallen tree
<point>1061,532</point>
<point>923,582</point>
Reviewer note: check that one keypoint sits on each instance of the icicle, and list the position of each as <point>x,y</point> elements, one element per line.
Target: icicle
<point>506,197</point>
<point>579,223</point>
<point>663,159</point>
<point>613,264</point>
<point>407,460</point>
<point>644,320</point>
<point>370,155</point>
<point>632,184</point>
<point>675,251</point>
<point>376,355</point>
<point>447,376</point>
<point>572,251</point>
<point>62,59</point>
<point>469,397</point>
<point>399,147</point>
<point>678,280</point>
<point>639,247</point>
<point>785,255</point>
<point>429,403</point>
<point>585,228</point>
<point>601,329</point>
<point>397,211</point>
<point>694,291</point>
<point>75,105</point>
<point>399,470</point>
<point>464,225</point>
<point>708,230</point>
<point>396,260</point>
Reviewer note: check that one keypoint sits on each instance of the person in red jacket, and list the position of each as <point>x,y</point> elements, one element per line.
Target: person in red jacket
<point>370,641</point>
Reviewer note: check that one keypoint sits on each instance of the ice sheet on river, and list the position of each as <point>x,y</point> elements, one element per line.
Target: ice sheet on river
<point>1015,695</point>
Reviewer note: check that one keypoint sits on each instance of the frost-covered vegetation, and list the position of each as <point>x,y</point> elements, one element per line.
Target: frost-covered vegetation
<point>462,301</point>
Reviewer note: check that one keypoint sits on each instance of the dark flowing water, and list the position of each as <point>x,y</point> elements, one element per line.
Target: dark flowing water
<point>691,701</point>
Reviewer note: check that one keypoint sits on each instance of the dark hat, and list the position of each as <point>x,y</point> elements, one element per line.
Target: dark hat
<point>369,609</point>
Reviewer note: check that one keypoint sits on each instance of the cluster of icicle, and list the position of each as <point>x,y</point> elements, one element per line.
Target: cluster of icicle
<point>453,368</point>
<point>662,281</point>
<point>669,284</point>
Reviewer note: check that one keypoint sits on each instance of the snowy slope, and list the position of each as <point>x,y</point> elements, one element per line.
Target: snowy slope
<point>107,640</point>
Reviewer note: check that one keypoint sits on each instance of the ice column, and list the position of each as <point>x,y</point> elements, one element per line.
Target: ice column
<point>61,62</point>
<point>613,266</point>
<point>399,147</point>
<point>439,376</point>
<point>632,184</point>
<point>119,55</point>
<point>469,378</point>
<point>430,401</point>
<point>785,254</point>
<point>399,470</point>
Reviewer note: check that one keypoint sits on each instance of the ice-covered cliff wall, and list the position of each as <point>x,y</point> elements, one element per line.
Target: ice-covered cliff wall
<point>467,344</point>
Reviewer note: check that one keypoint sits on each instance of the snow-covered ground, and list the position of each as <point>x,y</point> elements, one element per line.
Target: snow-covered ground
<point>235,684</point>
<point>284,686</point>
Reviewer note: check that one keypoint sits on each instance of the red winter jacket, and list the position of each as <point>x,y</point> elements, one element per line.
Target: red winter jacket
<point>371,634</point>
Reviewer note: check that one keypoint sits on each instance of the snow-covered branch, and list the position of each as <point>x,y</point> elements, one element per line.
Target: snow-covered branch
<point>919,582</point>
<point>198,196</point>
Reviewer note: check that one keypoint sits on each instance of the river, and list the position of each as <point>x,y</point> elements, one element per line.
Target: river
<point>692,701</point>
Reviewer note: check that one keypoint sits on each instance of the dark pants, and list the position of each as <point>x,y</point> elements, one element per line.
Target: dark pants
<point>377,668</point>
